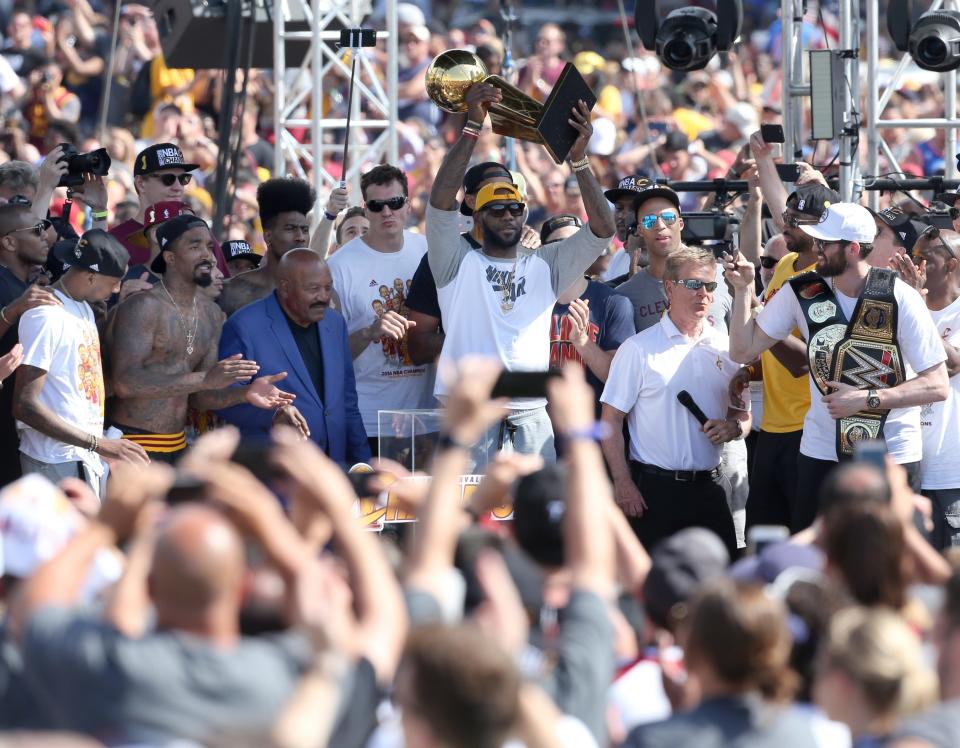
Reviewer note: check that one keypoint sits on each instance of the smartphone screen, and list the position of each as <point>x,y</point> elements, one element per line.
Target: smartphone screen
<point>772,133</point>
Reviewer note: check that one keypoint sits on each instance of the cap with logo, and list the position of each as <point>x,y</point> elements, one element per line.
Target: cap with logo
<point>626,187</point>
<point>812,199</point>
<point>159,157</point>
<point>497,191</point>
<point>844,222</point>
<point>240,250</point>
<point>907,229</point>
<point>160,212</point>
<point>646,189</point>
<point>169,232</point>
<point>95,251</point>
<point>481,173</point>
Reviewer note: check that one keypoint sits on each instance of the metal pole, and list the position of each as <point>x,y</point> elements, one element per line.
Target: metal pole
<point>786,75</point>
<point>316,107</point>
<point>846,151</point>
<point>279,88</point>
<point>873,111</point>
<point>393,68</point>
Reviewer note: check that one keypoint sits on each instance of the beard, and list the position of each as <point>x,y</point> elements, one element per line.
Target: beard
<point>798,244</point>
<point>496,239</point>
<point>203,277</point>
<point>827,268</point>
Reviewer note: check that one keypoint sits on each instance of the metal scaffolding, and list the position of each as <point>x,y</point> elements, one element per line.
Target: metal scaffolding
<point>299,94</point>
<point>796,90</point>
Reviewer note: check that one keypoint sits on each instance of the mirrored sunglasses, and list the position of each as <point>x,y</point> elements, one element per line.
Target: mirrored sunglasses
<point>696,285</point>
<point>669,217</point>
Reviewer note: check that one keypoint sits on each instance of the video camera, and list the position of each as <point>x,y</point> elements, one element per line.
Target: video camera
<point>96,162</point>
<point>713,229</point>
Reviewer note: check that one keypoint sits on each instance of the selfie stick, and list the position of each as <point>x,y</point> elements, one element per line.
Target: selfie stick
<point>354,47</point>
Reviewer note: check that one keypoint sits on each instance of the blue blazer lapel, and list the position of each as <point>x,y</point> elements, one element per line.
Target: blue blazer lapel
<point>281,331</point>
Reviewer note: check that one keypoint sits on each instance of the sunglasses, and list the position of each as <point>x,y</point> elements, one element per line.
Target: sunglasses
<point>394,203</point>
<point>934,233</point>
<point>824,243</point>
<point>669,217</point>
<point>37,229</point>
<point>793,221</point>
<point>696,285</point>
<point>168,179</point>
<point>767,262</point>
<point>498,211</point>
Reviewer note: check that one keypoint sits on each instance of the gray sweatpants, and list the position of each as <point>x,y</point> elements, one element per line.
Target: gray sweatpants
<point>57,471</point>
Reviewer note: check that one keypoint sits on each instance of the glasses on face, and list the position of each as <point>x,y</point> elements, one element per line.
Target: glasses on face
<point>500,209</point>
<point>822,244</point>
<point>695,285</point>
<point>37,229</point>
<point>793,221</point>
<point>767,262</point>
<point>669,217</point>
<point>394,203</point>
<point>168,179</point>
<point>934,233</point>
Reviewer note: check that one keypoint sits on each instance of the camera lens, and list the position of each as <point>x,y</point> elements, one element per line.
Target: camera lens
<point>932,50</point>
<point>678,52</point>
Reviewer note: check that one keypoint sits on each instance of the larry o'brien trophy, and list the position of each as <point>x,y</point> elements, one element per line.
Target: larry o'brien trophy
<point>518,115</point>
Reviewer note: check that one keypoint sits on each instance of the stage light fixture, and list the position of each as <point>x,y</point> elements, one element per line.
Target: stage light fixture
<point>933,41</point>
<point>688,37</point>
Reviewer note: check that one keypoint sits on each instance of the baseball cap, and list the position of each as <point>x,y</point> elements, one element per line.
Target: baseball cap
<point>680,565</point>
<point>169,232</point>
<point>676,141</point>
<point>480,173</point>
<point>627,187</point>
<point>36,521</point>
<point>744,117</point>
<point>96,251</point>
<point>160,212</point>
<point>647,188</point>
<point>558,222</point>
<point>846,222</point>
<point>604,138</point>
<point>902,224</point>
<point>160,156</point>
<point>812,199</point>
<point>236,249</point>
<point>538,510</point>
<point>497,191</point>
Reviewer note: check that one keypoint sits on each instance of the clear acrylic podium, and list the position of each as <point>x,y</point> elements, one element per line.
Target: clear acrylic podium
<point>410,438</point>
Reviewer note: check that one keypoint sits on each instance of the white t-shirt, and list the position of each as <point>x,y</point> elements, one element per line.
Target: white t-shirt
<point>648,371</point>
<point>497,307</point>
<point>63,341</point>
<point>371,283</point>
<point>919,345</point>
<point>940,422</point>
<point>619,265</point>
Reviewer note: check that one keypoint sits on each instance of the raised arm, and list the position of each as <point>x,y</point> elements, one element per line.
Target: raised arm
<point>598,210</point>
<point>751,226</point>
<point>446,184</point>
<point>747,340</point>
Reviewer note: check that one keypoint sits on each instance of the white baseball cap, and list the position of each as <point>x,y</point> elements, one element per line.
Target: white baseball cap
<point>846,222</point>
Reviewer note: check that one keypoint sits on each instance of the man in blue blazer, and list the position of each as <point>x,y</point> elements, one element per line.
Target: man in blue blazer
<point>294,330</point>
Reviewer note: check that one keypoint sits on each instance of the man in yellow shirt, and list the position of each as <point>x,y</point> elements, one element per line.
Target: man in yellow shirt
<point>786,398</point>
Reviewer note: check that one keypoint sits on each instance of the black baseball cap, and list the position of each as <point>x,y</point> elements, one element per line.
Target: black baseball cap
<point>158,157</point>
<point>168,232</point>
<point>626,187</point>
<point>558,222</point>
<point>96,251</point>
<point>905,226</point>
<point>812,199</point>
<point>237,250</point>
<point>481,173</point>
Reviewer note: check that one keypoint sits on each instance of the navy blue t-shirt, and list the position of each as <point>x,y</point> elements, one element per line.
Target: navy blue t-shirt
<point>611,322</point>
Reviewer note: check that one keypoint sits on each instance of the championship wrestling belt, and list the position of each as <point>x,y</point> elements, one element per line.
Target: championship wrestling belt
<point>863,352</point>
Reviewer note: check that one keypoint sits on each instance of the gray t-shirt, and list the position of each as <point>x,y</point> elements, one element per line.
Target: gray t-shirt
<point>90,678</point>
<point>940,726</point>
<point>650,302</point>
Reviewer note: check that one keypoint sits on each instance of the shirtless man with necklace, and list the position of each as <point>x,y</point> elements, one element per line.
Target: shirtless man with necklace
<point>163,346</point>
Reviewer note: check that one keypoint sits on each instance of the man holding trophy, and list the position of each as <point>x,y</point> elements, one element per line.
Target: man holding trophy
<point>497,301</point>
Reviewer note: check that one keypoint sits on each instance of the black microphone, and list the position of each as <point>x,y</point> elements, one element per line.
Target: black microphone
<point>687,402</point>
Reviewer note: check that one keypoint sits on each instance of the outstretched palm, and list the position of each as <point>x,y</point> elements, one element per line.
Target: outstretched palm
<point>263,394</point>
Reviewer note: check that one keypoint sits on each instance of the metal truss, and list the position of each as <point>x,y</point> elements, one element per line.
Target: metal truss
<point>299,93</point>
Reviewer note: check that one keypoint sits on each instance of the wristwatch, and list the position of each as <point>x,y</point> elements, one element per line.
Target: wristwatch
<point>873,400</point>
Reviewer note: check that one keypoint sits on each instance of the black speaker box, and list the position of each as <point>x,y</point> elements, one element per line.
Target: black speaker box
<point>193,34</point>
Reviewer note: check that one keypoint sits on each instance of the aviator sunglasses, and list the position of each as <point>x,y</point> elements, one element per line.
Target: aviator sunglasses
<point>695,285</point>
<point>394,203</point>
<point>669,217</point>
<point>37,228</point>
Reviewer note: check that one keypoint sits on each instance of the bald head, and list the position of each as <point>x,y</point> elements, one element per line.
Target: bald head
<point>776,246</point>
<point>198,566</point>
<point>854,483</point>
<point>304,286</point>
<point>942,241</point>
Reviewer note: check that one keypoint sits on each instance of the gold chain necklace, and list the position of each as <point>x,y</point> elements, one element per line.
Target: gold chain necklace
<point>191,336</point>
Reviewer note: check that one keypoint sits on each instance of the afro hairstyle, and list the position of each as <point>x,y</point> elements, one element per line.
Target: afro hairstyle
<point>284,195</point>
